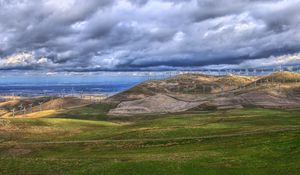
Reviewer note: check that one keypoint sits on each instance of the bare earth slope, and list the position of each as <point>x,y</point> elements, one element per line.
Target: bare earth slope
<point>159,103</point>
<point>65,102</point>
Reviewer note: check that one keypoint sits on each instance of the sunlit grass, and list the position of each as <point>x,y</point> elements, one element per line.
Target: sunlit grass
<point>244,141</point>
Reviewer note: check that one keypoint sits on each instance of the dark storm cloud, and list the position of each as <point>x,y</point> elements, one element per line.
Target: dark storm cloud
<point>76,35</point>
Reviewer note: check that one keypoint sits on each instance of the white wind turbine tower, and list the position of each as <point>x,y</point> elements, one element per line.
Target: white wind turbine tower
<point>24,110</point>
<point>81,94</point>
<point>40,104</point>
<point>13,112</point>
<point>222,88</point>
<point>62,93</point>
<point>72,92</point>
<point>44,93</point>
<point>20,107</point>
<point>254,72</point>
<point>30,108</point>
<point>51,97</point>
<point>247,72</point>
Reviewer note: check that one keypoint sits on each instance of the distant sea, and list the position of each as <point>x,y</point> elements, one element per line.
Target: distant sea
<point>107,83</point>
<point>41,85</point>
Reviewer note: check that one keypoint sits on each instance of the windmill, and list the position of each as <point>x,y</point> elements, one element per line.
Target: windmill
<point>290,68</point>
<point>148,76</point>
<point>30,108</point>
<point>24,110</point>
<point>61,105</point>
<point>40,105</point>
<point>72,92</point>
<point>62,93</point>
<point>279,86</point>
<point>262,71</point>
<point>209,72</point>
<point>13,112</point>
<point>20,107</point>
<point>247,72</point>
<point>81,94</point>
<point>44,93</point>
<point>222,88</point>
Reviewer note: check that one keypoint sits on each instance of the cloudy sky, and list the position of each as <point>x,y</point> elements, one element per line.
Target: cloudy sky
<point>137,35</point>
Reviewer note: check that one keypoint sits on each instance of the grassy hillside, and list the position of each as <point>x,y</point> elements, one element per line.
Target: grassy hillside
<point>71,136</point>
<point>248,141</point>
<point>198,84</point>
<point>189,91</point>
<point>40,106</point>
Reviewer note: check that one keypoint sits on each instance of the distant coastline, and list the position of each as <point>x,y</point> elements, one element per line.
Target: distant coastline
<point>56,85</point>
<point>66,90</point>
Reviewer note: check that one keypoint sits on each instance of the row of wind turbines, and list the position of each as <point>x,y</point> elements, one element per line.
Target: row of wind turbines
<point>219,72</point>
<point>24,110</point>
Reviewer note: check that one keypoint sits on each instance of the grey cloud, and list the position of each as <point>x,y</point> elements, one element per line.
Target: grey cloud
<point>94,35</point>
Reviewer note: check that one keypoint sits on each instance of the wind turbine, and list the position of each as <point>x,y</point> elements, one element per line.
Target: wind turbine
<point>81,94</point>
<point>72,92</point>
<point>13,112</point>
<point>40,104</point>
<point>24,110</point>
<point>222,88</point>
<point>62,93</point>
<point>30,108</point>
<point>20,107</point>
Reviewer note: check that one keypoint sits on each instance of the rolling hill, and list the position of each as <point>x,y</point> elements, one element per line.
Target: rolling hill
<point>196,91</point>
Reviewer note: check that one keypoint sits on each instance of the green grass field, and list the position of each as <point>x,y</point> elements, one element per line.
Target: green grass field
<point>246,141</point>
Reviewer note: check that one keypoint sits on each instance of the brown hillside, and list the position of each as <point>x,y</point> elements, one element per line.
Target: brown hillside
<point>183,84</point>
<point>65,102</point>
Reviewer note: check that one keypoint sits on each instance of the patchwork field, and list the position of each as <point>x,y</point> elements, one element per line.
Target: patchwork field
<point>86,141</point>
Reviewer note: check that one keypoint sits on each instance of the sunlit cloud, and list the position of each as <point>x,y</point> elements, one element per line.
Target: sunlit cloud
<point>142,35</point>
